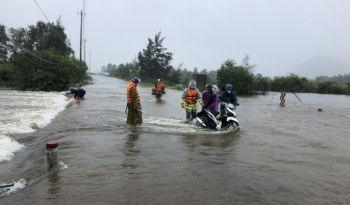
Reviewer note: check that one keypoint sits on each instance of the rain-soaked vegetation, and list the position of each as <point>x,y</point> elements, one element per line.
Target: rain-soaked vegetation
<point>40,58</point>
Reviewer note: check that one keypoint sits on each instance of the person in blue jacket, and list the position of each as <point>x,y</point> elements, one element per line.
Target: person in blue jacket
<point>78,93</point>
<point>228,96</point>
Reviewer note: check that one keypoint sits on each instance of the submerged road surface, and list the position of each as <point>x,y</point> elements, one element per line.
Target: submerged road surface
<point>289,155</point>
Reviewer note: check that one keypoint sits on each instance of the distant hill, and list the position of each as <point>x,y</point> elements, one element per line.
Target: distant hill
<point>322,66</point>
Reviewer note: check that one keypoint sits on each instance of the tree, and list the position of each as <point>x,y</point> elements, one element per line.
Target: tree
<point>42,36</point>
<point>54,74</point>
<point>3,44</point>
<point>212,76</point>
<point>175,76</point>
<point>154,61</point>
<point>135,64</point>
<point>40,58</point>
<point>6,75</point>
<point>103,69</point>
<point>238,76</point>
<point>261,83</point>
<point>246,64</point>
<point>186,76</point>
<point>292,83</point>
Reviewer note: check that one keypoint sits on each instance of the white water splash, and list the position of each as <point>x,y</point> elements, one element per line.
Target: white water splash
<point>16,187</point>
<point>62,165</point>
<point>8,147</point>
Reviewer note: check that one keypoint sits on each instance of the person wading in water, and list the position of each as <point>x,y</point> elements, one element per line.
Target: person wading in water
<point>133,103</point>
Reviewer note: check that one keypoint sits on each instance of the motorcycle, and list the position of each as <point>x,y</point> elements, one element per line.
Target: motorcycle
<point>207,118</point>
<point>157,95</point>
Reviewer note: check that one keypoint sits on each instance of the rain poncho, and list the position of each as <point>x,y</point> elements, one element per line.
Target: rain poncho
<point>210,100</point>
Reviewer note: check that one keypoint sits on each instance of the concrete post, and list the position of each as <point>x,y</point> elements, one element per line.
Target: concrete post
<point>51,155</point>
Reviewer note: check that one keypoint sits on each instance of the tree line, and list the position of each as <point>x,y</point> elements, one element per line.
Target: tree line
<point>154,62</point>
<point>39,57</point>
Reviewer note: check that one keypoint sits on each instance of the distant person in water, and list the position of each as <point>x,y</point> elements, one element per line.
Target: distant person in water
<point>78,93</point>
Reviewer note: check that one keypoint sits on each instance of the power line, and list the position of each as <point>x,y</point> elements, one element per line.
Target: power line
<point>24,49</point>
<point>49,22</point>
<point>37,64</point>
<point>41,11</point>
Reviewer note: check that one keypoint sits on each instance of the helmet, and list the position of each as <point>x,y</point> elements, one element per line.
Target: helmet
<point>159,80</point>
<point>209,86</point>
<point>192,82</point>
<point>228,86</point>
<point>136,80</point>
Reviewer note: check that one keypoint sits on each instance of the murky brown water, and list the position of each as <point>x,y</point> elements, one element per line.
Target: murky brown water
<point>289,155</point>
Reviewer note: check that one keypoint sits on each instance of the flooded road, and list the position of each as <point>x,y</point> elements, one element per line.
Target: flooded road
<point>289,155</point>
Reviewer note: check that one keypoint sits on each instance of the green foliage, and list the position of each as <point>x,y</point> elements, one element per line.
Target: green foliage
<point>40,58</point>
<point>178,87</point>
<point>241,78</point>
<point>42,36</point>
<point>329,88</point>
<point>122,71</point>
<point>6,75</point>
<point>212,77</point>
<point>347,89</point>
<point>175,76</point>
<point>262,83</point>
<point>292,83</point>
<point>154,61</point>
<point>246,64</point>
<point>340,80</point>
<point>34,74</point>
<point>3,44</point>
<point>186,76</point>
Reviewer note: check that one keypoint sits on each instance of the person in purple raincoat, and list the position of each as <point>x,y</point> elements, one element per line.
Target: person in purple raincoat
<point>210,99</point>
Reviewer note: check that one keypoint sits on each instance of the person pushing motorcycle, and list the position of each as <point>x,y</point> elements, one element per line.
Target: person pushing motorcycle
<point>189,100</point>
<point>228,96</point>
<point>210,99</point>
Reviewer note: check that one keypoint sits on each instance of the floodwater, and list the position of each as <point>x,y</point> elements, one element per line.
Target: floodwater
<point>281,155</point>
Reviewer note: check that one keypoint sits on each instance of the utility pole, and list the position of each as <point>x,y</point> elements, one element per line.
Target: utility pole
<point>81,41</point>
<point>90,63</point>
<point>84,48</point>
<point>84,30</point>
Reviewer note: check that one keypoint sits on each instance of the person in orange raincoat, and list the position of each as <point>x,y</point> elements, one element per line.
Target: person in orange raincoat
<point>189,99</point>
<point>133,103</point>
<point>159,86</point>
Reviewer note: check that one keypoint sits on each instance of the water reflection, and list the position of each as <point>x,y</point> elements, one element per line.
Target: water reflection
<point>211,149</point>
<point>130,151</point>
<point>54,185</point>
<point>160,101</point>
<point>131,140</point>
<point>223,140</point>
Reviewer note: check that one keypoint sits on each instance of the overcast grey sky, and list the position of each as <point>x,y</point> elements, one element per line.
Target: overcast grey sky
<point>278,35</point>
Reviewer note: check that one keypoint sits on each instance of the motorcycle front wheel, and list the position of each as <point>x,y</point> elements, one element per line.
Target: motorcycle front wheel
<point>232,125</point>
